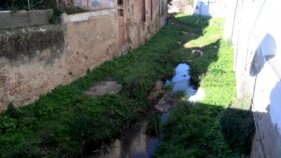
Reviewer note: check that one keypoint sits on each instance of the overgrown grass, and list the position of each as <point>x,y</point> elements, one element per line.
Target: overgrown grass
<point>238,129</point>
<point>67,123</point>
<point>193,130</point>
<point>153,125</point>
<point>193,21</point>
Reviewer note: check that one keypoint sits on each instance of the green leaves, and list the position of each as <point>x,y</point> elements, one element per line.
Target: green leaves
<point>238,129</point>
<point>67,123</point>
<point>193,129</point>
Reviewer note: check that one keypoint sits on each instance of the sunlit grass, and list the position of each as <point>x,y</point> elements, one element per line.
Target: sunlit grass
<point>193,130</point>
<point>66,123</point>
<point>212,33</point>
<point>219,81</point>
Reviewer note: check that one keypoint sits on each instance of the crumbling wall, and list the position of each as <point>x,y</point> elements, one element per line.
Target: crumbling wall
<point>27,59</point>
<point>90,38</point>
<point>33,61</point>
<point>143,19</point>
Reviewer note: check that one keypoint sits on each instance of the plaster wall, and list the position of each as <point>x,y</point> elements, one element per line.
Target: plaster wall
<point>34,61</point>
<point>252,28</point>
<point>10,20</point>
<point>142,20</point>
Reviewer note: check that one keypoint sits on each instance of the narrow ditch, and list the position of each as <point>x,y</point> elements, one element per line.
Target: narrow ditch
<point>135,141</point>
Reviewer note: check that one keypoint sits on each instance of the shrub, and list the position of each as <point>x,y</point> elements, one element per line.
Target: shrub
<point>238,129</point>
<point>24,149</point>
<point>153,125</point>
<point>13,111</point>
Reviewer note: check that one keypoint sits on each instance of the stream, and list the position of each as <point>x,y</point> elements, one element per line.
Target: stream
<point>135,143</point>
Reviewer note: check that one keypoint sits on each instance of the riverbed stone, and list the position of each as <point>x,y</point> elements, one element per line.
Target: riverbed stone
<point>103,88</point>
<point>163,104</point>
<point>157,91</point>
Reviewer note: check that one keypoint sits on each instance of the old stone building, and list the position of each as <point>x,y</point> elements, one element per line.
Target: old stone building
<point>37,57</point>
<point>137,19</point>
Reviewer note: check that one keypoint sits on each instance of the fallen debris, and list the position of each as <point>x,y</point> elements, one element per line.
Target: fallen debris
<point>103,88</point>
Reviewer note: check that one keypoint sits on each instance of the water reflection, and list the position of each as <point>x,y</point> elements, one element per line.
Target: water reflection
<point>135,143</point>
<point>181,80</point>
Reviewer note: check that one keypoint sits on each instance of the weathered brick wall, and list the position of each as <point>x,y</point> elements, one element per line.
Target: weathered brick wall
<point>142,20</point>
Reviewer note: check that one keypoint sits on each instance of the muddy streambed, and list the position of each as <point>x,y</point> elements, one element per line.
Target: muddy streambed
<point>135,143</point>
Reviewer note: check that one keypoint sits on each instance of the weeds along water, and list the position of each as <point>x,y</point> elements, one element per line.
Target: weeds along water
<point>68,123</point>
<point>194,129</point>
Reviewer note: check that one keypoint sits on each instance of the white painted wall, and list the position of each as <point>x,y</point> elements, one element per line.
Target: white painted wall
<point>253,27</point>
<point>211,8</point>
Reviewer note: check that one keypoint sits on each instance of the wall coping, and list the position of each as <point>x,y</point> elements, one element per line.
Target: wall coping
<point>80,17</point>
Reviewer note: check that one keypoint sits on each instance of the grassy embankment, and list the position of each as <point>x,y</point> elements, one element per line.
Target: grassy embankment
<point>194,130</point>
<point>67,123</point>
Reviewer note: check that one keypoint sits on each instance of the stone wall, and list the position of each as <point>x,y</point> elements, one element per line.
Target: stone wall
<point>252,28</point>
<point>93,4</point>
<point>35,60</point>
<point>142,20</point>
<point>10,20</point>
<point>27,59</point>
<point>90,39</point>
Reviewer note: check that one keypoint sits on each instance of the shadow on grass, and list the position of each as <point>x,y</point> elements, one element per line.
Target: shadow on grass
<point>207,129</point>
<point>194,131</point>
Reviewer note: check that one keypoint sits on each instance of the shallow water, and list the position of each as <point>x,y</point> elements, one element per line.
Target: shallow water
<point>181,80</point>
<point>134,143</point>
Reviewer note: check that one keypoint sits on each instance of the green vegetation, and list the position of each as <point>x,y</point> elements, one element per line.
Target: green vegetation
<point>193,21</point>
<point>238,129</point>
<point>198,130</point>
<point>67,123</point>
<point>153,125</point>
<point>237,125</point>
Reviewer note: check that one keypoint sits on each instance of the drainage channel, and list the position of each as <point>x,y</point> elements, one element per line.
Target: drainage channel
<point>135,143</point>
